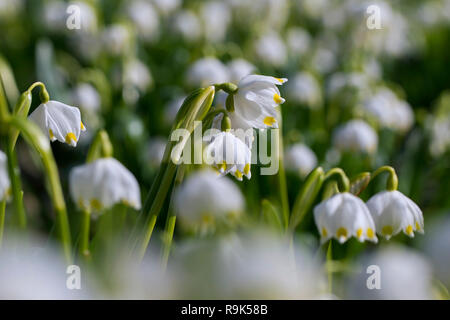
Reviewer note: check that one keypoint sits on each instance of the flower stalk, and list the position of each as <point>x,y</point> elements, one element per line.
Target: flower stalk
<point>392,181</point>
<point>2,219</point>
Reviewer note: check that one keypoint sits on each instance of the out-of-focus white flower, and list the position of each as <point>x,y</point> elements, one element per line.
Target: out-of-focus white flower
<point>393,212</point>
<point>300,158</point>
<point>59,121</point>
<point>32,271</point>
<point>228,154</point>
<point>239,68</point>
<point>305,89</point>
<point>216,16</point>
<point>323,60</point>
<point>187,25</point>
<point>256,100</point>
<point>145,17</point>
<point>355,135</point>
<point>404,274</point>
<point>312,8</point>
<point>54,15</point>
<point>354,81</point>
<point>116,39</point>
<point>5,183</point>
<point>248,266</point>
<point>102,184</point>
<point>155,151</point>
<point>298,41</point>
<point>87,97</point>
<point>167,6</point>
<point>137,74</point>
<point>204,199</point>
<point>207,71</point>
<point>9,9</point>
<point>437,247</point>
<point>271,49</point>
<point>389,111</point>
<point>438,126</point>
<point>343,216</point>
<point>172,108</point>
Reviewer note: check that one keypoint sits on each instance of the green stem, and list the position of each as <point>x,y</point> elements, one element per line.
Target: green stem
<point>168,241</point>
<point>16,186</point>
<point>35,137</point>
<point>344,185</point>
<point>329,269</point>
<point>2,219</point>
<point>84,240</point>
<point>392,182</point>
<point>282,179</point>
<point>101,147</point>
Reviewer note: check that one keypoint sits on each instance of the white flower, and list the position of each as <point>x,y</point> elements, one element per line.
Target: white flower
<point>145,17</point>
<point>116,39</point>
<point>205,198</point>
<point>155,151</point>
<point>343,216</point>
<point>216,16</point>
<point>207,71</point>
<point>172,108</point>
<point>102,184</point>
<point>228,154</point>
<point>5,184</point>
<point>59,121</point>
<point>87,97</point>
<point>355,135</point>
<point>389,111</point>
<point>271,49</point>
<point>187,25</point>
<point>305,89</point>
<point>403,274</point>
<point>324,60</point>
<point>239,68</point>
<point>300,158</point>
<point>137,74</point>
<point>167,6</point>
<point>298,41</point>
<point>256,100</point>
<point>393,212</point>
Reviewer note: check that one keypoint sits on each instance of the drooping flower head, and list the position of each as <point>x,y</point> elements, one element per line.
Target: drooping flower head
<point>5,184</point>
<point>393,212</point>
<point>256,100</point>
<point>355,136</point>
<point>343,216</point>
<point>205,199</point>
<point>229,154</point>
<point>59,121</point>
<point>102,184</point>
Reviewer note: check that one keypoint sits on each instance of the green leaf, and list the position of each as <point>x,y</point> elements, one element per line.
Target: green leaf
<point>306,196</point>
<point>359,183</point>
<point>271,214</point>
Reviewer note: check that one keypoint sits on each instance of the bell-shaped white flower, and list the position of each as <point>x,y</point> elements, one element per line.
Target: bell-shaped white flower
<point>102,184</point>
<point>59,121</point>
<point>239,68</point>
<point>207,71</point>
<point>343,216</point>
<point>5,184</point>
<point>228,154</point>
<point>305,89</point>
<point>355,135</point>
<point>256,100</point>
<point>204,198</point>
<point>393,212</point>
<point>300,158</point>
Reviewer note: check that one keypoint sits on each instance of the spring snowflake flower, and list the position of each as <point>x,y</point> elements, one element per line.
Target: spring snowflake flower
<point>87,97</point>
<point>228,154</point>
<point>271,49</point>
<point>102,184</point>
<point>305,89</point>
<point>355,135</point>
<point>393,212</point>
<point>59,121</point>
<point>5,184</point>
<point>343,216</point>
<point>204,198</point>
<point>256,100</point>
<point>300,158</point>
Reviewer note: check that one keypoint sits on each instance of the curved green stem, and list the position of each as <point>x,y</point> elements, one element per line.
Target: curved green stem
<point>16,185</point>
<point>344,182</point>
<point>101,147</point>
<point>36,138</point>
<point>392,181</point>
<point>84,236</point>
